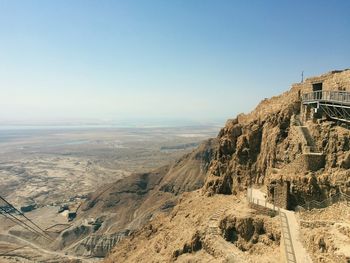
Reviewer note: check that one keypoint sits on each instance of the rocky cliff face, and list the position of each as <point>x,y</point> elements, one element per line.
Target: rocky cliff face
<point>250,146</point>
<point>272,144</point>
<point>333,176</point>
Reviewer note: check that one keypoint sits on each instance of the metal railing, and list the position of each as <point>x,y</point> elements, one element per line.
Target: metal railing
<point>313,204</point>
<point>260,202</point>
<point>331,96</point>
<point>287,239</point>
<point>263,203</point>
<point>285,230</point>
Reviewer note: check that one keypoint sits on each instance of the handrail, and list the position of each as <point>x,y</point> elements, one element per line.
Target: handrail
<point>286,235</point>
<point>327,202</point>
<point>332,96</point>
<point>289,253</point>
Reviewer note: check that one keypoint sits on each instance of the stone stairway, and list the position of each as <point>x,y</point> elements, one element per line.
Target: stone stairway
<point>308,143</point>
<point>214,221</point>
<point>216,245</point>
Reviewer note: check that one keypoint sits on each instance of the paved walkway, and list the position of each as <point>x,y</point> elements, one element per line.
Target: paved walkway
<point>295,251</point>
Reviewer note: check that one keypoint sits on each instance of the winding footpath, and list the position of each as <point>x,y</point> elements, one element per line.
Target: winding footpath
<point>294,249</point>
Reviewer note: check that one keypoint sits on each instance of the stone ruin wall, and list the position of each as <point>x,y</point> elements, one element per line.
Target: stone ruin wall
<point>279,190</point>
<point>332,81</point>
<point>310,162</point>
<point>278,194</point>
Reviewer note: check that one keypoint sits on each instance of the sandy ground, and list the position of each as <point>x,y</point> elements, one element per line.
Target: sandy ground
<point>48,180</point>
<point>53,167</point>
<point>326,233</point>
<point>17,244</point>
<point>159,240</point>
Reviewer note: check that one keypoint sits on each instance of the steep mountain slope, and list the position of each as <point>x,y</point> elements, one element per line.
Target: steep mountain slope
<point>122,207</point>
<point>186,234</point>
<point>267,145</point>
<point>275,143</point>
<point>252,144</point>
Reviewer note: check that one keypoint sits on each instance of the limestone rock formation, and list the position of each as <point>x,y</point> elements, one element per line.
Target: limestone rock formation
<point>244,232</point>
<point>271,144</point>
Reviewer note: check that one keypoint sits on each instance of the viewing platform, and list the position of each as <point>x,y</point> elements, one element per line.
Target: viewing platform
<point>335,104</point>
<point>337,97</point>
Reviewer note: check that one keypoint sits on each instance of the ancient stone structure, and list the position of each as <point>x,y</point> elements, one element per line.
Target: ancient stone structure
<point>278,193</point>
<point>326,96</point>
<point>310,162</point>
<point>337,80</point>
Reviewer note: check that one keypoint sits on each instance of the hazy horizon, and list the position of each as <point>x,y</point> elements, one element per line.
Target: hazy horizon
<point>103,61</point>
<point>121,122</point>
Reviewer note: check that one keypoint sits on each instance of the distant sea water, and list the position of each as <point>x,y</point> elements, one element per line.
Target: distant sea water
<point>8,133</point>
<point>51,127</point>
<point>13,132</point>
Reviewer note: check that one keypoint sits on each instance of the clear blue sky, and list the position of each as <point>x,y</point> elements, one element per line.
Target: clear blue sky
<point>191,59</point>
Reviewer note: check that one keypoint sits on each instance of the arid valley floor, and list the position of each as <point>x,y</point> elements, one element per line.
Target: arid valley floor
<point>51,167</point>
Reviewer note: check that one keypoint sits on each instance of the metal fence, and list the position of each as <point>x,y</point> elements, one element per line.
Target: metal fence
<point>263,203</point>
<point>332,96</point>
<point>313,204</point>
<point>285,230</point>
